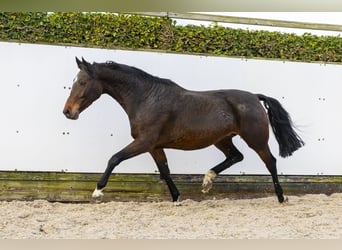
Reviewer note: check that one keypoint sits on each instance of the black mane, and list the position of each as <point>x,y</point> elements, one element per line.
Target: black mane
<point>134,72</point>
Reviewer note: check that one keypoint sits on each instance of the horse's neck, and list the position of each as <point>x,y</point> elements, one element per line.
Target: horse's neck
<point>130,91</point>
<point>128,94</point>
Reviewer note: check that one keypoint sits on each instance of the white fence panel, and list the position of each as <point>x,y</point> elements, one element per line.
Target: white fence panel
<point>35,135</point>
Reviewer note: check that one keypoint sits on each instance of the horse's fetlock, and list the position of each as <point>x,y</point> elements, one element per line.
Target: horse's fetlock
<point>97,193</point>
<point>208,181</point>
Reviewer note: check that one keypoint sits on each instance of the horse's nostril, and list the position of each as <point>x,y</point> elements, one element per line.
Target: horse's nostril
<point>66,112</point>
<point>70,114</point>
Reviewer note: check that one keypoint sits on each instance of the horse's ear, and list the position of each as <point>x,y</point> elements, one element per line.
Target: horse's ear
<point>79,63</point>
<point>84,65</point>
<point>88,67</point>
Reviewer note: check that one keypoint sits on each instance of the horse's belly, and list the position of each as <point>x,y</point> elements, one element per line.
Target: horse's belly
<point>191,140</point>
<point>193,130</point>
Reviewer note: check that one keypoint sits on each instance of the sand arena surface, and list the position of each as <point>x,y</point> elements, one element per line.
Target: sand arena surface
<point>302,217</point>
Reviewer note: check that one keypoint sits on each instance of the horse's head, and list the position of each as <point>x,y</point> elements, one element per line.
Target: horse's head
<point>85,90</point>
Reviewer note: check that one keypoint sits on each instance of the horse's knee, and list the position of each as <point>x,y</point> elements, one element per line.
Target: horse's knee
<point>238,157</point>
<point>114,161</point>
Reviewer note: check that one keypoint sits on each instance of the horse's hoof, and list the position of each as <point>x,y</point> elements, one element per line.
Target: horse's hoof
<point>177,203</point>
<point>97,196</point>
<point>283,200</point>
<point>208,181</point>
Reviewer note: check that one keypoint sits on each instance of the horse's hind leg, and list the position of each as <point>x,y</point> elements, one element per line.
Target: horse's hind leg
<point>233,156</point>
<point>254,130</point>
<point>260,146</point>
<point>160,159</point>
<point>271,163</point>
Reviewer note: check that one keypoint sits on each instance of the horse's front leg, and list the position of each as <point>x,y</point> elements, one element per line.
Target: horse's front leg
<point>135,148</point>
<point>160,159</point>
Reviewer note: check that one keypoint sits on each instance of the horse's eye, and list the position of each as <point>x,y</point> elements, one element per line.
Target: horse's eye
<point>81,82</point>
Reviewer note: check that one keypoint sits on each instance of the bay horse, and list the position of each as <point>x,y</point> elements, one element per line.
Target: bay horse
<point>162,115</point>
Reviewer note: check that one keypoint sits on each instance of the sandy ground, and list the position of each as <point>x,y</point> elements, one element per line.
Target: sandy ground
<point>302,217</point>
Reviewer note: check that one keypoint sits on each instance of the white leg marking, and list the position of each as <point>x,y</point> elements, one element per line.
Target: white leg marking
<point>208,181</point>
<point>97,193</point>
<point>177,203</point>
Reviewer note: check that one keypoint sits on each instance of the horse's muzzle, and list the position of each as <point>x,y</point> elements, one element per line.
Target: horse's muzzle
<point>70,114</point>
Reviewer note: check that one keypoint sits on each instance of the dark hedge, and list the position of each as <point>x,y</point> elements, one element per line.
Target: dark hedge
<point>139,32</point>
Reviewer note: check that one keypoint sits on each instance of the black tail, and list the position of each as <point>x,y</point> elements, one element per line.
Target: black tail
<point>288,140</point>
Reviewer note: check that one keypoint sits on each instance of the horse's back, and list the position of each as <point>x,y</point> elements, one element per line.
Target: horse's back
<point>243,102</point>
<point>229,106</point>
